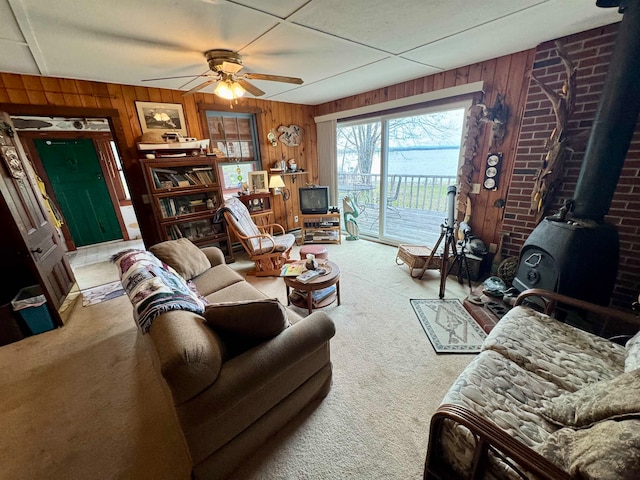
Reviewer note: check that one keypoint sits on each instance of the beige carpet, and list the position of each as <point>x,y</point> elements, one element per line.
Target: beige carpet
<point>387,378</point>
<point>83,401</point>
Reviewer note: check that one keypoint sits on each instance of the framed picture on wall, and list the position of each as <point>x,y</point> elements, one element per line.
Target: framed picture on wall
<point>161,117</point>
<point>258,181</point>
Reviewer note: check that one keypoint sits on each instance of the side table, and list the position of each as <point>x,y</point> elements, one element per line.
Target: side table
<point>323,281</point>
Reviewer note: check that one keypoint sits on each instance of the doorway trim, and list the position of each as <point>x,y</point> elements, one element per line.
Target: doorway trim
<point>117,134</point>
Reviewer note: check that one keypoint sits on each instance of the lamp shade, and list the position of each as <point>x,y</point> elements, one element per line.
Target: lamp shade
<point>276,181</point>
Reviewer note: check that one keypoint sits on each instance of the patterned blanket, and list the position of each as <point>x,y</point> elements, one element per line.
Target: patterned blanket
<point>154,287</point>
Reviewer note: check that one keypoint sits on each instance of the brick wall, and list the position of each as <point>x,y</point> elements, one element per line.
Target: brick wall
<point>591,52</point>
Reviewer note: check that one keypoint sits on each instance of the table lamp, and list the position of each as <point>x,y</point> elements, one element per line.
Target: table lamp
<point>276,183</point>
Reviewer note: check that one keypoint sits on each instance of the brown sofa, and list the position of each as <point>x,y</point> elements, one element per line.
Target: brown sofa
<point>543,400</point>
<point>231,391</point>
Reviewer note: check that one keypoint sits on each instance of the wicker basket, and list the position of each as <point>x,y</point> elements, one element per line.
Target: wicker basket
<point>415,257</point>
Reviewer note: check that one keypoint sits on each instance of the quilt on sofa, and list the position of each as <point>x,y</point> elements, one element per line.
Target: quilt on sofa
<point>154,287</point>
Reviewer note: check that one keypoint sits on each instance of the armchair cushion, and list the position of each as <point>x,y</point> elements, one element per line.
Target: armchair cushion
<point>183,256</point>
<point>604,400</point>
<point>258,241</point>
<point>607,450</point>
<point>257,319</point>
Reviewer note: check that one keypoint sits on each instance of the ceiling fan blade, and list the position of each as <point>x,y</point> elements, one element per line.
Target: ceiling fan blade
<point>252,89</point>
<point>201,86</point>
<point>169,78</point>
<point>273,78</point>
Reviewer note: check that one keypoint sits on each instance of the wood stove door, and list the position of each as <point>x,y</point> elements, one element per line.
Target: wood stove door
<point>537,269</point>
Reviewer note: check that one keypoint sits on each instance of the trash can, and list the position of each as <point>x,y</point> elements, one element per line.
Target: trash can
<point>31,305</point>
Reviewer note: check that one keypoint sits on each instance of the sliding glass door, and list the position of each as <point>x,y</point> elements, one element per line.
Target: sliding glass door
<point>397,168</point>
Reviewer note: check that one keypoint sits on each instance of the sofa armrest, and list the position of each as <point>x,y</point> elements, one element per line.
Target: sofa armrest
<point>489,437</point>
<point>259,365</point>
<point>215,255</point>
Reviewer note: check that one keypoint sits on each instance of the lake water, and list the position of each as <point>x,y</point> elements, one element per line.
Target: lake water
<point>421,162</point>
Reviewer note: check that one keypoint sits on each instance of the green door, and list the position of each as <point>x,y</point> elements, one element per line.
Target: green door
<point>74,171</point>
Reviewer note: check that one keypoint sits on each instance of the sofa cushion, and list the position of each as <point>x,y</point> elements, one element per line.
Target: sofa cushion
<point>236,292</point>
<point>259,319</point>
<point>504,393</point>
<point>632,353</point>
<point>183,256</point>
<point>609,450</point>
<point>573,359</point>
<point>215,279</point>
<point>608,399</point>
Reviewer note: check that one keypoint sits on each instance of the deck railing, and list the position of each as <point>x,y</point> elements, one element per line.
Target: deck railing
<point>420,192</point>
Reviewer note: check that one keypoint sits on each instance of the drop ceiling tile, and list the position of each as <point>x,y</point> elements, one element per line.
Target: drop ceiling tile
<point>401,25</point>
<point>504,36</point>
<point>15,58</point>
<point>281,8</point>
<point>9,29</point>
<point>87,39</point>
<point>388,71</point>
<point>290,50</point>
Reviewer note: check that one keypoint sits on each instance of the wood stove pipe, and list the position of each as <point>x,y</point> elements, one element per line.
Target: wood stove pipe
<point>615,119</point>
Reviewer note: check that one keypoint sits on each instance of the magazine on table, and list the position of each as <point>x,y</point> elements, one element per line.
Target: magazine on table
<point>292,269</point>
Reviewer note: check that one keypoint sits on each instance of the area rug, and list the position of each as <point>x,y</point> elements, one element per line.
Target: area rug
<point>101,293</point>
<point>448,325</point>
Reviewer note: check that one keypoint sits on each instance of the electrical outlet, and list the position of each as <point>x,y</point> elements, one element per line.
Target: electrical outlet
<point>295,219</point>
<point>493,248</point>
<point>475,188</point>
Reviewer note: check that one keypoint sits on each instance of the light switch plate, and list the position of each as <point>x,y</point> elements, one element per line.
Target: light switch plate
<point>475,188</point>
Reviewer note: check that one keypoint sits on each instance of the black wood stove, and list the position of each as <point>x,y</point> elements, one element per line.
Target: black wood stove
<point>577,254</point>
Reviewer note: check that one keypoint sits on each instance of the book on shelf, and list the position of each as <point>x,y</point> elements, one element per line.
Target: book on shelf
<point>307,276</point>
<point>292,269</point>
<point>320,295</point>
<point>317,296</point>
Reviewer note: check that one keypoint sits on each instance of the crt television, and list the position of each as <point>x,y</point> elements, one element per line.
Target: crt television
<point>314,200</point>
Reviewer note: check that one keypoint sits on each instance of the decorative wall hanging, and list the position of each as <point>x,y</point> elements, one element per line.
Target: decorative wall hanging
<point>549,175</point>
<point>498,116</point>
<point>271,136</point>
<point>161,117</point>
<point>291,136</point>
<point>465,172</point>
<point>13,162</point>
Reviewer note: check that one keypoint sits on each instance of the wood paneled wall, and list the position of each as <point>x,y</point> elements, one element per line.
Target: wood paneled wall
<point>65,97</point>
<point>506,76</point>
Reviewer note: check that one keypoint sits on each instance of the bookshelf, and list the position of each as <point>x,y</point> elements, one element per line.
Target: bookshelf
<point>185,195</point>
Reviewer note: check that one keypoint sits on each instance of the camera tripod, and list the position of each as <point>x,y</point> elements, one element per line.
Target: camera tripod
<point>460,257</point>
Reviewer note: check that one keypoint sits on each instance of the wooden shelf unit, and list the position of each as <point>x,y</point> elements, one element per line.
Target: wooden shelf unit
<point>185,194</point>
<point>320,228</point>
<point>259,206</point>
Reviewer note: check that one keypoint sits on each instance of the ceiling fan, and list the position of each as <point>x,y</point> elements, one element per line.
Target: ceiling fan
<point>224,66</point>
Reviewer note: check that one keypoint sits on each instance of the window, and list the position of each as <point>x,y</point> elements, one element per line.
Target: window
<point>234,139</point>
<point>396,168</point>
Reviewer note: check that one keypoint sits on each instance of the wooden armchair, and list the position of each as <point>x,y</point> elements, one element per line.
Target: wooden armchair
<point>267,245</point>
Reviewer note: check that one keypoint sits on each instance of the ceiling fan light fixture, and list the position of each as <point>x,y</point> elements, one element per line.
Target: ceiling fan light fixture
<point>237,89</point>
<point>229,90</point>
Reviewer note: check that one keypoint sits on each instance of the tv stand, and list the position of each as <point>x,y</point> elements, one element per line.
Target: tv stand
<point>320,228</point>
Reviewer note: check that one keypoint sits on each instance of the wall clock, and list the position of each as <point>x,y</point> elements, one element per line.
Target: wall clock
<point>492,171</point>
